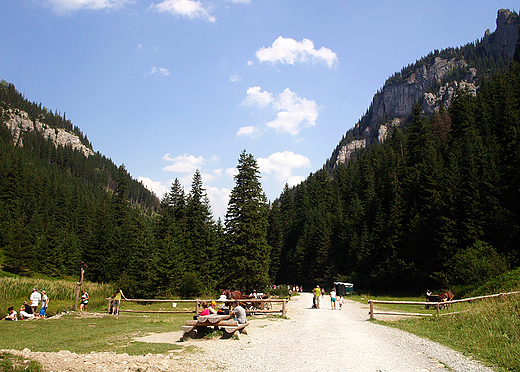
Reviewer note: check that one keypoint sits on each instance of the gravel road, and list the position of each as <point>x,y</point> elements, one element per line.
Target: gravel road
<point>318,340</point>
<point>326,340</point>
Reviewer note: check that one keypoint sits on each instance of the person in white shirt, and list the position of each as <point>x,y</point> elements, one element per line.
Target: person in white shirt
<point>333,299</point>
<point>12,315</point>
<point>35,298</point>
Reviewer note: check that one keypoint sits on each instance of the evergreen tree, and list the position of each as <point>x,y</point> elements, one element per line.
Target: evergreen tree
<point>201,254</point>
<point>246,261</point>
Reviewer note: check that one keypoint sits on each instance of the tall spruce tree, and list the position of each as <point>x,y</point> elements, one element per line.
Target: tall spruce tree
<point>246,262</point>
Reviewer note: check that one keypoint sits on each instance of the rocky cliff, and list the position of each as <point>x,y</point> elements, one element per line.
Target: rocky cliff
<point>18,122</point>
<point>429,83</point>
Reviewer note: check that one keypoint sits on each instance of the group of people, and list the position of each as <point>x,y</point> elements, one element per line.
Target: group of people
<point>238,312</point>
<point>334,299</point>
<point>28,310</point>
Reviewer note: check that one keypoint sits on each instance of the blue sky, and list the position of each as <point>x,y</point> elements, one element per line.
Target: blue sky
<point>170,86</point>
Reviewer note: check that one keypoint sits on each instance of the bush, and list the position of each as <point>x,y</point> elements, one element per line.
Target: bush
<point>478,263</point>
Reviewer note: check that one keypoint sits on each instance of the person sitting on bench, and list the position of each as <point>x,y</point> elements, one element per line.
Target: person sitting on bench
<point>239,312</point>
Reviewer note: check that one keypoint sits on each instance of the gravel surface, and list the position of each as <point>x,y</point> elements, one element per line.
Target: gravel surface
<point>310,340</point>
<point>326,340</point>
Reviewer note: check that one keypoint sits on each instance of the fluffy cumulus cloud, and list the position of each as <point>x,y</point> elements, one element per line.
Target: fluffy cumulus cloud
<point>255,97</point>
<point>67,6</point>
<point>184,8</point>
<point>281,165</point>
<point>293,111</point>
<point>184,163</point>
<point>290,51</point>
<point>249,131</point>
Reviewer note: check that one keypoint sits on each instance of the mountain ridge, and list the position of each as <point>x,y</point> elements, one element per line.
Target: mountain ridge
<point>431,81</point>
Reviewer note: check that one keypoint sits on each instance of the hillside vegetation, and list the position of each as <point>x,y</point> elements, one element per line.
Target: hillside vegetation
<point>436,205</point>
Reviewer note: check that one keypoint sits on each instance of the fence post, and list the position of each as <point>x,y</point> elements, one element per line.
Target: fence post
<point>109,305</point>
<point>197,306</point>
<point>438,307</point>
<point>283,307</point>
<point>371,309</point>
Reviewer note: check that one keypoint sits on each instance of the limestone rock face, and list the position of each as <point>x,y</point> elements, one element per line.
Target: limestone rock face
<point>503,40</point>
<point>396,100</point>
<point>19,122</point>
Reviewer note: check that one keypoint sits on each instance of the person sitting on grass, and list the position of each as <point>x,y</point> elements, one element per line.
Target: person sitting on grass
<point>13,316</point>
<point>26,311</point>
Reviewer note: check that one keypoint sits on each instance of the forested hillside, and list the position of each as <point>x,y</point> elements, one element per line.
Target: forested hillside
<point>436,204</point>
<point>62,206</point>
<point>431,81</point>
<point>433,206</point>
<point>52,197</point>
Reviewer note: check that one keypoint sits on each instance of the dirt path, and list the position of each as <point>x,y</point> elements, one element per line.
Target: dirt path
<point>325,340</point>
<point>310,340</point>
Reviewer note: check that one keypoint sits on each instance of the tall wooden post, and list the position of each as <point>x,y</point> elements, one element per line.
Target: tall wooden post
<point>371,309</point>
<point>82,266</point>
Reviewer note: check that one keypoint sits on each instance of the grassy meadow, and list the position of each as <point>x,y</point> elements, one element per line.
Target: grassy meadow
<point>62,293</point>
<point>488,330</point>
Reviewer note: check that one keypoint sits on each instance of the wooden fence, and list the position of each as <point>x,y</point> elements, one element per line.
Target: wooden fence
<point>198,302</point>
<point>437,305</point>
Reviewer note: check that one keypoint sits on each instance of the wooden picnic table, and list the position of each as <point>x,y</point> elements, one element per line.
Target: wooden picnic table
<point>219,321</point>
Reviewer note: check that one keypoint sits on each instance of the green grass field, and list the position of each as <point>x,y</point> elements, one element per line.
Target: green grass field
<point>80,334</point>
<point>489,330</point>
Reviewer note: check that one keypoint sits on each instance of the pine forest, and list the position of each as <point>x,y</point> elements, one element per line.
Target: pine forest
<point>436,205</point>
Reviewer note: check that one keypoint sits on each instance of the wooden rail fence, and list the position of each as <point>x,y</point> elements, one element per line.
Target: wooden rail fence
<point>437,305</point>
<point>198,302</point>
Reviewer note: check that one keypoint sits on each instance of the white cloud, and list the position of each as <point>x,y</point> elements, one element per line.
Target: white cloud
<point>290,51</point>
<point>157,187</point>
<point>184,8</point>
<point>281,164</point>
<point>235,78</point>
<point>66,6</point>
<point>293,110</point>
<point>208,177</point>
<point>184,163</point>
<point>162,71</point>
<point>249,131</point>
<point>219,199</point>
<point>240,1</point>
<point>295,180</point>
<point>255,97</point>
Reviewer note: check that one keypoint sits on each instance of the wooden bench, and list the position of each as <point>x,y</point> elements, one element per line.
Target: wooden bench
<point>218,321</point>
